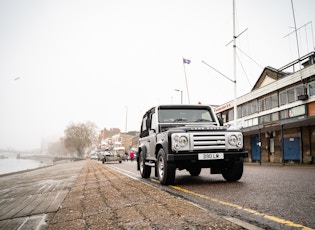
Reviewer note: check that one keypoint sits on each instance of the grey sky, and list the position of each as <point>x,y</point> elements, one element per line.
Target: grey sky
<point>97,61</point>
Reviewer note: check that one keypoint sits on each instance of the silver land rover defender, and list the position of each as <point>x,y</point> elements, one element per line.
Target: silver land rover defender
<point>188,137</point>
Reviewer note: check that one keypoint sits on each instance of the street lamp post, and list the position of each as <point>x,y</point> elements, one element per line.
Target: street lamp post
<point>181,95</point>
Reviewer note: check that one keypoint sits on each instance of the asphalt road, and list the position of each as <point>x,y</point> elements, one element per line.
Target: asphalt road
<point>270,197</point>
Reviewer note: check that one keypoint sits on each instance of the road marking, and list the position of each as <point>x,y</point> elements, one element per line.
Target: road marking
<point>273,218</point>
<point>125,172</point>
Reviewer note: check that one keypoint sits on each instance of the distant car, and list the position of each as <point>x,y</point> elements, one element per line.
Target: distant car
<point>111,155</point>
<point>93,157</point>
<point>100,155</point>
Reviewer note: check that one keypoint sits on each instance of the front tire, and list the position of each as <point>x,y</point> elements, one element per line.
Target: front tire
<point>166,170</point>
<point>145,170</point>
<point>234,172</point>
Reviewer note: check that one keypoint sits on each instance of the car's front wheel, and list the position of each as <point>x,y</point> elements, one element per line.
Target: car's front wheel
<point>166,170</point>
<point>233,172</point>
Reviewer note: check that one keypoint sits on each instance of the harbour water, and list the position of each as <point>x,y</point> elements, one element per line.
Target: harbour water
<point>9,163</point>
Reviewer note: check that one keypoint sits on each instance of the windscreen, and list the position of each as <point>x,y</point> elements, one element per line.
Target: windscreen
<point>172,115</point>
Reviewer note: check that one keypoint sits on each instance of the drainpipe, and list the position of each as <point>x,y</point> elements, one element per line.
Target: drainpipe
<point>282,146</point>
<point>302,145</point>
<point>310,141</point>
<point>259,137</point>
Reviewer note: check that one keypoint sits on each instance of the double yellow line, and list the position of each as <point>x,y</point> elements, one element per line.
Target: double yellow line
<point>273,218</point>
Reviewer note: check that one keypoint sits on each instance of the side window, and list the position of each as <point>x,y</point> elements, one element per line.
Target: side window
<point>153,121</point>
<point>144,130</point>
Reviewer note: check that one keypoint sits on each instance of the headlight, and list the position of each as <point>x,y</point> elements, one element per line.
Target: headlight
<point>236,139</point>
<point>233,140</point>
<point>240,140</point>
<point>180,141</point>
<point>183,141</point>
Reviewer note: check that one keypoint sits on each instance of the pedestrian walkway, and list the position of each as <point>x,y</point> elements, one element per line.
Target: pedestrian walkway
<point>89,195</point>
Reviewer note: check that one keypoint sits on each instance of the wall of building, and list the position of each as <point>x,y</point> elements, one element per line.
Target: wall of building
<point>271,145</point>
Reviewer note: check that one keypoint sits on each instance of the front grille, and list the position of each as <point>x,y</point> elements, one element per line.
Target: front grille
<point>208,141</point>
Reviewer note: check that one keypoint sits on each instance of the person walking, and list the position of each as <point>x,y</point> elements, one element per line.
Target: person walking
<point>132,155</point>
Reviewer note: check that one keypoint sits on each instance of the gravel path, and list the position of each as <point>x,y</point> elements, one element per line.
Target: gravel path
<point>102,198</point>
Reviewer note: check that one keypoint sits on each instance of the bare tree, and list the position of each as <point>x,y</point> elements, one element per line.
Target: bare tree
<point>80,136</point>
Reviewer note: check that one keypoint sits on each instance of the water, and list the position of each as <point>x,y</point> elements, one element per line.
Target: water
<point>11,164</point>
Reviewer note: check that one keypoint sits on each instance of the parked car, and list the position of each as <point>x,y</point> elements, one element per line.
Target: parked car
<point>100,155</point>
<point>93,157</point>
<point>111,155</point>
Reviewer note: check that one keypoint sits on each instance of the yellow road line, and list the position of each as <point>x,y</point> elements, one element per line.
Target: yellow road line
<point>273,218</point>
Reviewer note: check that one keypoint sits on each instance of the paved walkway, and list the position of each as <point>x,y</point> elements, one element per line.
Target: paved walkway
<point>90,195</point>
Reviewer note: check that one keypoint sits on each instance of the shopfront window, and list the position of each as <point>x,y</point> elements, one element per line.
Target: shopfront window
<point>264,119</point>
<point>275,116</point>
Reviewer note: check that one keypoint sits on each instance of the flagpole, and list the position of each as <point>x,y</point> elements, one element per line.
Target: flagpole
<point>186,81</point>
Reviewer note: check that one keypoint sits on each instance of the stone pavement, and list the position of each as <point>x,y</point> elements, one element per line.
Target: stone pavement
<point>89,195</point>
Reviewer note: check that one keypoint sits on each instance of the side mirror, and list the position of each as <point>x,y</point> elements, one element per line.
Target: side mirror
<point>144,133</point>
<point>220,121</point>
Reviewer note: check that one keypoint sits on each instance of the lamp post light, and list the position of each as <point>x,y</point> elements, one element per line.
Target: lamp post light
<point>181,95</point>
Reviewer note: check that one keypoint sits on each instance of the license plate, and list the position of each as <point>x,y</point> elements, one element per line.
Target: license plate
<point>210,156</point>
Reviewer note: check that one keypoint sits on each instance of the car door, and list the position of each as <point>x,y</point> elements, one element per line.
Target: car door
<point>148,136</point>
<point>152,135</point>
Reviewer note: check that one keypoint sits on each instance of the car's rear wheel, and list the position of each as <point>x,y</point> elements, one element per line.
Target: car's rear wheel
<point>145,170</point>
<point>166,170</point>
<point>234,171</point>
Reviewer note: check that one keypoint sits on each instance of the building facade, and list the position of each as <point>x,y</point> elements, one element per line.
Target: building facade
<point>115,139</point>
<point>278,116</point>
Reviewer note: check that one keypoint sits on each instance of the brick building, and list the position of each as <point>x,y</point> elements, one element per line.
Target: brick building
<point>114,138</point>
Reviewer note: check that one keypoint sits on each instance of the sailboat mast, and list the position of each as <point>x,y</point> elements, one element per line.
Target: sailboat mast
<point>234,64</point>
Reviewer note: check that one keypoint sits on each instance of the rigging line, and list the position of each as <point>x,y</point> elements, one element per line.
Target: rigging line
<point>306,40</point>
<point>239,60</point>
<point>312,35</point>
<point>250,58</point>
<point>297,29</point>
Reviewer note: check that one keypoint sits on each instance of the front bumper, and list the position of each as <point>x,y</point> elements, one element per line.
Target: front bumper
<point>194,156</point>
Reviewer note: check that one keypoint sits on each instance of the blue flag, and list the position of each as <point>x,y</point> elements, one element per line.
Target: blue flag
<point>186,61</point>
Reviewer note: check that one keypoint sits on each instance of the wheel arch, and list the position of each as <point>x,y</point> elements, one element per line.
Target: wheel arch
<point>163,145</point>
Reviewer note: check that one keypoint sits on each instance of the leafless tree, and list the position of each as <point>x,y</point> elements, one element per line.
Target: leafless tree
<point>80,136</point>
